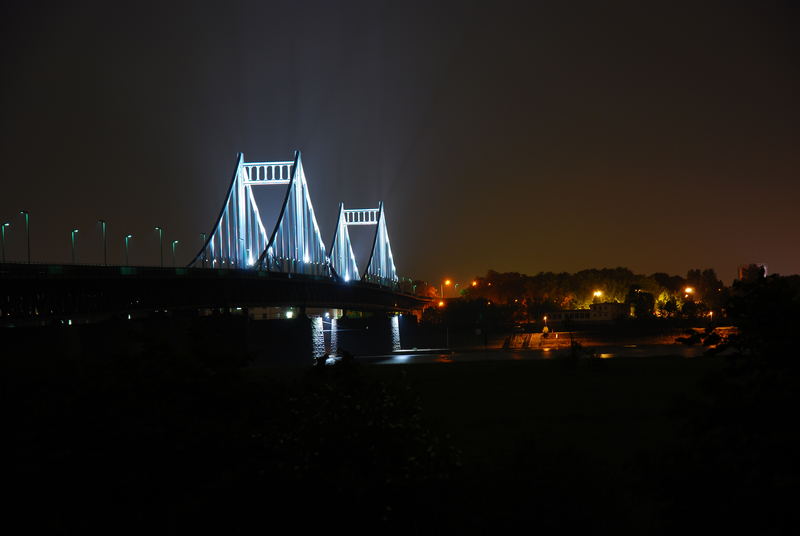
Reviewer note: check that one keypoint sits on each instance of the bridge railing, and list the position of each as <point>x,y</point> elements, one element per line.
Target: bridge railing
<point>401,284</point>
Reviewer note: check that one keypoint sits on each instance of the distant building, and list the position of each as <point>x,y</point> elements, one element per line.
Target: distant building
<point>597,313</point>
<point>608,312</point>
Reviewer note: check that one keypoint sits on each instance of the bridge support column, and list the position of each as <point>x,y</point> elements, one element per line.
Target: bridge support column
<point>324,337</point>
<point>317,336</point>
<point>394,322</point>
<point>334,345</point>
<point>370,334</point>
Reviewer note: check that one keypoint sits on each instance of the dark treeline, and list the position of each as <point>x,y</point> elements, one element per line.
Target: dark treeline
<point>658,294</point>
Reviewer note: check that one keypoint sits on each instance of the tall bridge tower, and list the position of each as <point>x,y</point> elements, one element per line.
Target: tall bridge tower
<point>239,238</point>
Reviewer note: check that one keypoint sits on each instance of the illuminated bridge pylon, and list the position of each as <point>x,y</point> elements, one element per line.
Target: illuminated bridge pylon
<point>380,267</point>
<point>239,238</point>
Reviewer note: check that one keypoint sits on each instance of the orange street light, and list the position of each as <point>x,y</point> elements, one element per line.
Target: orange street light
<point>689,290</point>
<point>597,293</point>
<point>474,283</point>
<point>441,303</point>
<point>447,283</point>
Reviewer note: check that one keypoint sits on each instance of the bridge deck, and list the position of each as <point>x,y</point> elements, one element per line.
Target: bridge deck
<point>33,291</point>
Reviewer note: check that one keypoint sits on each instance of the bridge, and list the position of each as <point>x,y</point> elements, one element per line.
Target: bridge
<point>239,238</point>
<point>285,273</point>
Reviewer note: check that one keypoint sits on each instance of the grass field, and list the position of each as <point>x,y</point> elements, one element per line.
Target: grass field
<point>606,409</point>
<point>554,444</point>
<point>606,446</point>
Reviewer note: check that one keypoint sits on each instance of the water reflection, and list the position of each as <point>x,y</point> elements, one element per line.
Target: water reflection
<point>605,352</point>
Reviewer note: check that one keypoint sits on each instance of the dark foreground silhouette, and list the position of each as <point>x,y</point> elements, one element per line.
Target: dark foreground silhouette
<point>168,443</point>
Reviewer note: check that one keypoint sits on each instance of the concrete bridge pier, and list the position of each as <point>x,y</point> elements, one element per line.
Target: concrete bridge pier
<point>334,336</point>
<point>394,326</point>
<point>324,333</point>
<point>296,334</point>
<point>369,334</point>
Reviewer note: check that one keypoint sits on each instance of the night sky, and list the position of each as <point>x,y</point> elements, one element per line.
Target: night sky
<point>530,136</point>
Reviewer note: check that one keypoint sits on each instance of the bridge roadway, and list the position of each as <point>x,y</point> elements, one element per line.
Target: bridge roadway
<point>40,291</point>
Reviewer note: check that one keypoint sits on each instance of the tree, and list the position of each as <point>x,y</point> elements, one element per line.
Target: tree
<point>422,288</point>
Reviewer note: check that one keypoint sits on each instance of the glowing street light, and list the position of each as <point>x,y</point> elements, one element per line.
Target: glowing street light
<point>447,283</point>
<point>597,293</point>
<point>27,231</point>
<point>105,243</point>
<point>3,228</point>
<point>127,257</point>
<point>688,291</point>
<point>441,303</point>
<point>74,232</point>
<point>174,243</point>
<point>160,244</point>
<point>474,283</point>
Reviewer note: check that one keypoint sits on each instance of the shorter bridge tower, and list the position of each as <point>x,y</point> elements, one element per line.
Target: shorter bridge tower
<point>380,267</point>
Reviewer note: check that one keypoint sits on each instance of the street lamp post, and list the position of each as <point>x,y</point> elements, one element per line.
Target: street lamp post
<point>74,232</point>
<point>127,257</point>
<point>174,243</point>
<point>105,243</point>
<point>27,231</point>
<point>3,228</point>
<point>161,244</point>
<point>203,238</point>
